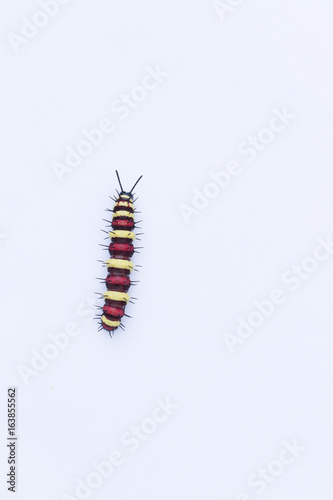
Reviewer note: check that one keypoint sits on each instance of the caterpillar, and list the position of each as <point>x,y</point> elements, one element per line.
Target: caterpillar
<point>119,265</point>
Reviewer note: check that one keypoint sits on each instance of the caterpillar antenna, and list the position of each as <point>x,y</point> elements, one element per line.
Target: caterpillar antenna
<point>136,183</point>
<point>121,187</point>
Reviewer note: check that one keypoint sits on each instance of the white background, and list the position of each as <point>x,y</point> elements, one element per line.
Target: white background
<point>235,411</point>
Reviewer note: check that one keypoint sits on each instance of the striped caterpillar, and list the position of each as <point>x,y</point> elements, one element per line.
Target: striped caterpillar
<point>119,265</point>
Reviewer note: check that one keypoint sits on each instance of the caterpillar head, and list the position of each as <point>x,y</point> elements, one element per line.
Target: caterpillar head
<point>124,195</point>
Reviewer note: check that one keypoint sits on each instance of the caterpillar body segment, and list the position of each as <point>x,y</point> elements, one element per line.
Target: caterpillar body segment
<point>119,265</point>
<point>122,235</point>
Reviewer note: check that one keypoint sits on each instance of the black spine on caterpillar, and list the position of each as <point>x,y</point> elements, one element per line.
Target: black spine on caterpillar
<point>119,266</point>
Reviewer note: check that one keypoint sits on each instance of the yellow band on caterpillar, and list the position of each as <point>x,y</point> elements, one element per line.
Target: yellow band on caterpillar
<point>111,295</point>
<point>109,322</point>
<point>124,204</point>
<point>122,213</point>
<point>126,196</point>
<point>120,264</point>
<point>122,234</point>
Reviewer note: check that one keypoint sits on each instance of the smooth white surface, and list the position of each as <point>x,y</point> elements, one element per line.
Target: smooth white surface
<point>235,411</point>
